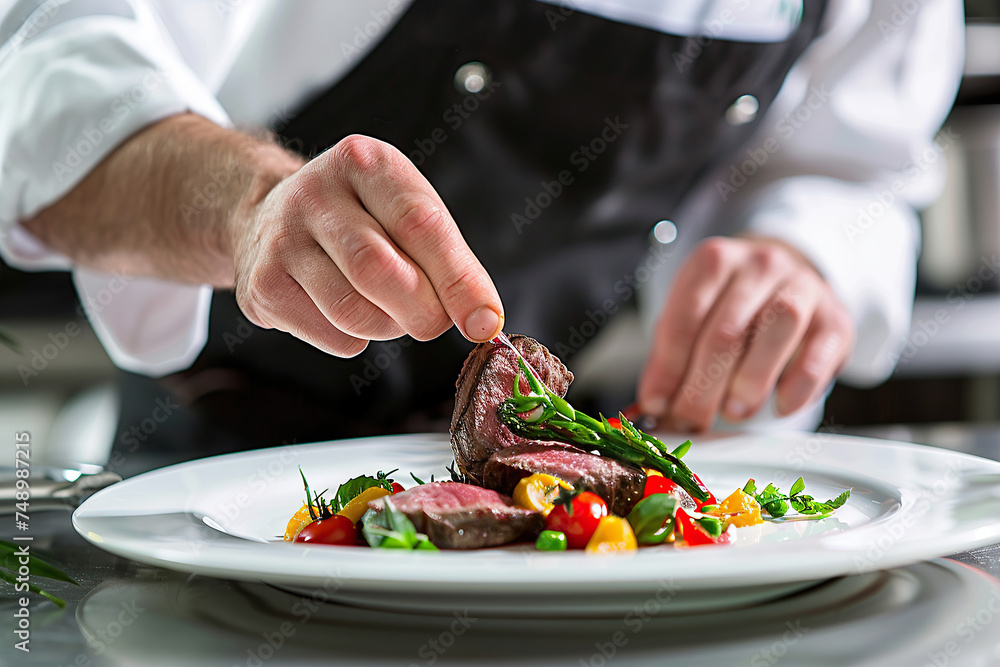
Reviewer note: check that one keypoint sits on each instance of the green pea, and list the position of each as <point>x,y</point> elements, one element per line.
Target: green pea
<point>551,540</point>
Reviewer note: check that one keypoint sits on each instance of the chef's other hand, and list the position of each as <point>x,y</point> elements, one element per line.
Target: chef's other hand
<point>357,246</point>
<point>744,317</point>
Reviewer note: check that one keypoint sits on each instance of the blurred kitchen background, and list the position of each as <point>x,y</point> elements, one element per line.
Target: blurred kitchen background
<point>950,372</point>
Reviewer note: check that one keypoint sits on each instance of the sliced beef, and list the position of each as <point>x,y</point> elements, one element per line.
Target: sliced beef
<point>619,484</point>
<point>486,380</point>
<point>462,516</point>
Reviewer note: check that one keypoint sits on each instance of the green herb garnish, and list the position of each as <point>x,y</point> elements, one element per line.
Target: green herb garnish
<point>548,416</point>
<point>777,504</point>
<point>10,562</point>
<point>391,529</point>
<point>352,488</point>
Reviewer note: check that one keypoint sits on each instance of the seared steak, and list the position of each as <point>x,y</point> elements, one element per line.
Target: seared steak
<point>619,484</point>
<point>486,379</point>
<point>462,516</point>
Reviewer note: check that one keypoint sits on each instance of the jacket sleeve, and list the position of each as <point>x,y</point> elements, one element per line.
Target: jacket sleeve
<point>80,77</point>
<point>848,152</point>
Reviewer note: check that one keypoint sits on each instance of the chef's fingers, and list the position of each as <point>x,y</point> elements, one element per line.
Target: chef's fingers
<point>415,218</point>
<point>823,352</point>
<point>777,330</point>
<point>287,307</point>
<point>699,281</point>
<point>345,308</point>
<point>722,340</point>
<point>376,268</point>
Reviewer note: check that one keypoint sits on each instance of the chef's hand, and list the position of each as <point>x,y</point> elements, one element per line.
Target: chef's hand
<point>744,317</point>
<point>357,246</point>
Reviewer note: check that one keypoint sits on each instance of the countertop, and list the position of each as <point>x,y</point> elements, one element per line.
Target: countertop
<point>127,613</point>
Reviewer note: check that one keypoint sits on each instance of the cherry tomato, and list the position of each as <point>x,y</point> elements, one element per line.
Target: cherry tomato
<point>335,530</point>
<point>397,487</point>
<point>657,484</point>
<point>615,422</point>
<point>579,526</point>
<point>692,533</point>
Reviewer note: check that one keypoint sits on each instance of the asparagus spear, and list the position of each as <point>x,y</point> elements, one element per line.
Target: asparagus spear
<point>548,416</point>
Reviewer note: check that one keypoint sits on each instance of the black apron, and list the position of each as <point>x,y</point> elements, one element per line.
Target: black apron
<point>586,133</point>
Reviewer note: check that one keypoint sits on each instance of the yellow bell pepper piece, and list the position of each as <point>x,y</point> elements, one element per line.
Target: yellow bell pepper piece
<point>740,509</point>
<point>613,534</point>
<point>299,520</point>
<point>356,508</point>
<point>538,492</point>
<point>654,473</point>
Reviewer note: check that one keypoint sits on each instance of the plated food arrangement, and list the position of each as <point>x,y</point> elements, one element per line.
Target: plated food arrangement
<point>529,467</point>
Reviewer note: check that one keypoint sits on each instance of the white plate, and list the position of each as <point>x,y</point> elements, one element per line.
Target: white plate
<point>909,503</point>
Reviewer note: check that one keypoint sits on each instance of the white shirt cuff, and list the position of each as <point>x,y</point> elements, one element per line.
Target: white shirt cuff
<point>83,86</point>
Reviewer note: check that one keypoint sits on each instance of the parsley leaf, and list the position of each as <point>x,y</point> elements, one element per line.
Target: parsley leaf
<point>777,504</point>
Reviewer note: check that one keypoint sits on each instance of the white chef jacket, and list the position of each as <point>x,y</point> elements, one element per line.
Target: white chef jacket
<point>838,165</point>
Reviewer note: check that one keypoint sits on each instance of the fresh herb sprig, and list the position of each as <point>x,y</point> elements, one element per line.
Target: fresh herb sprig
<point>10,562</point>
<point>548,416</point>
<point>391,529</point>
<point>346,492</point>
<point>777,504</point>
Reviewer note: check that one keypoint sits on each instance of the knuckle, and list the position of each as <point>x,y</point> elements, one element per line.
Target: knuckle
<point>711,254</point>
<point>353,312</point>
<point>303,199</point>
<point>725,336</point>
<point>374,263</point>
<point>769,258</point>
<point>415,220</point>
<point>267,287</point>
<point>791,308</point>
<point>360,154</point>
<point>455,286</point>
<point>433,328</point>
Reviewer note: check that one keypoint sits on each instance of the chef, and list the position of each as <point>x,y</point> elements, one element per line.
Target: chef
<point>739,176</point>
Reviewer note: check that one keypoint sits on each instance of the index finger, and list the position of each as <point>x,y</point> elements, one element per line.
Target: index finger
<point>397,195</point>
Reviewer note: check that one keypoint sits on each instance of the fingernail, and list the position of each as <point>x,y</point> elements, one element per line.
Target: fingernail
<point>655,406</point>
<point>736,408</point>
<point>483,324</point>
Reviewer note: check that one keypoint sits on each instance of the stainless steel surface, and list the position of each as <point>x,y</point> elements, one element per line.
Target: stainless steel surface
<point>126,613</point>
